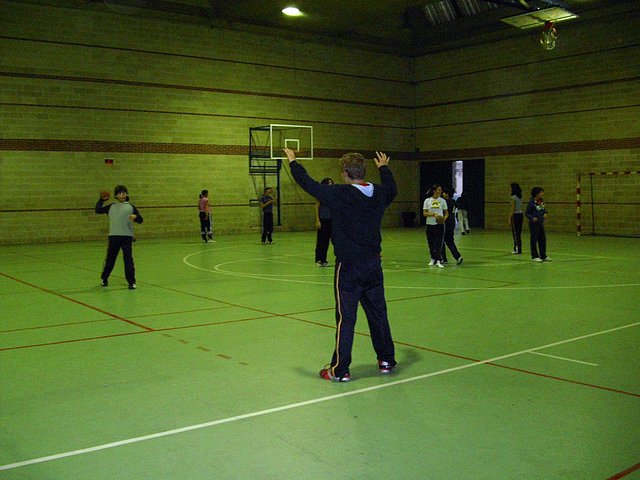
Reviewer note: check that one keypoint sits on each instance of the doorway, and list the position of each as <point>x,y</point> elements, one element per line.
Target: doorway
<point>452,173</point>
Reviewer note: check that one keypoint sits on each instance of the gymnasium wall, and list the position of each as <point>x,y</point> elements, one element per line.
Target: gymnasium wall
<point>171,103</point>
<point>540,117</point>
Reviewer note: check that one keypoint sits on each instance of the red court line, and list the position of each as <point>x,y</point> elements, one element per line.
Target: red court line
<point>469,359</point>
<point>44,327</point>
<point>60,342</point>
<point>223,302</point>
<point>575,382</point>
<point>102,337</point>
<point>270,314</point>
<point>210,324</point>
<point>161,314</point>
<point>626,472</point>
<point>77,302</point>
<point>515,369</point>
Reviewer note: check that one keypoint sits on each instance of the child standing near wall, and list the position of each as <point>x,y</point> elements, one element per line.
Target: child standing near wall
<point>323,228</point>
<point>537,214</point>
<point>516,218</point>
<point>449,228</point>
<point>204,212</point>
<point>266,204</point>
<point>122,214</point>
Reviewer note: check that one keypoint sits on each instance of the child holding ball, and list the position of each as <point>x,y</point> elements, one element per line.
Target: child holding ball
<point>436,212</point>
<point>122,214</point>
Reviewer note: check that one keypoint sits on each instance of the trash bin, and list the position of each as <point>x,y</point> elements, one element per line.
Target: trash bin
<point>408,219</point>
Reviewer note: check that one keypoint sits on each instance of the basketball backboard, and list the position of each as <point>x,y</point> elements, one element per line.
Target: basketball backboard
<point>269,141</point>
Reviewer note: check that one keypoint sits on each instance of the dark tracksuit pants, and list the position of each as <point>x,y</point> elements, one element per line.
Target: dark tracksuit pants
<point>435,237</point>
<point>205,224</point>
<point>323,237</point>
<point>449,230</point>
<point>267,226</point>
<point>360,283</point>
<point>538,240</point>
<point>516,230</point>
<point>117,243</point>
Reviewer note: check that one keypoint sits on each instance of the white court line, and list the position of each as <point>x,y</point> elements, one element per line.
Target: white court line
<point>564,358</point>
<point>287,278</point>
<point>504,252</point>
<point>257,276</point>
<point>542,287</point>
<point>291,406</point>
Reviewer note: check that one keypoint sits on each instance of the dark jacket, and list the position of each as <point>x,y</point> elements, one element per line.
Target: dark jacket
<point>462,203</point>
<point>356,218</point>
<point>451,219</point>
<point>535,210</point>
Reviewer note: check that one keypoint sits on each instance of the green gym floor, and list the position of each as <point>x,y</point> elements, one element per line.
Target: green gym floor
<point>508,369</point>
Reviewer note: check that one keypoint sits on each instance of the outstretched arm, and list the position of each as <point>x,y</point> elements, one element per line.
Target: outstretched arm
<point>302,178</point>
<point>386,177</point>
<point>291,155</point>
<point>381,159</point>
<point>100,207</point>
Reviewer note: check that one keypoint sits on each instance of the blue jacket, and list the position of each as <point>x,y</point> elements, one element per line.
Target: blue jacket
<point>536,209</point>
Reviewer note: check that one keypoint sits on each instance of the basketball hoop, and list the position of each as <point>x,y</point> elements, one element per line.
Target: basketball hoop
<point>548,36</point>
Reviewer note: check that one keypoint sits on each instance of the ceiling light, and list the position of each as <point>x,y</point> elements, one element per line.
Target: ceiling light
<point>548,36</point>
<point>292,12</point>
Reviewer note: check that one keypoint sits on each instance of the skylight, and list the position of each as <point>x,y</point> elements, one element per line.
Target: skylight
<point>539,17</point>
